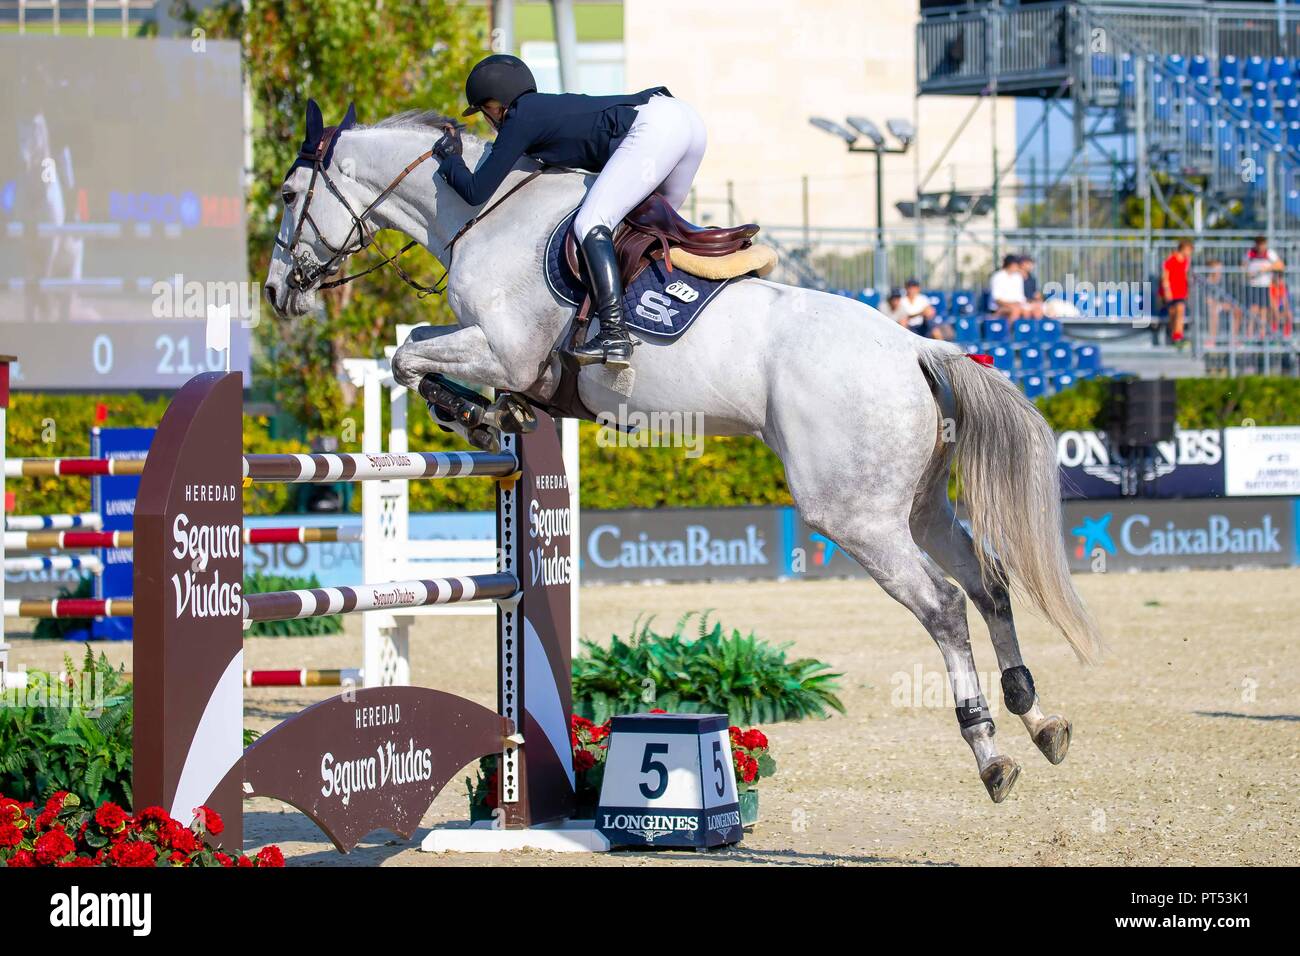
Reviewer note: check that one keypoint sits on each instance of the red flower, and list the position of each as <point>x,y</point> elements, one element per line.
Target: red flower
<point>270,856</point>
<point>753,739</point>
<point>750,770</point>
<point>184,841</point>
<point>133,854</point>
<point>10,835</point>
<point>46,819</point>
<point>583,760</point>
<point>111,817</point>
<point>22,858</point>
<point>56,801</point>
<point>53,846</point>
<point>244,862</point>
<point>152,815</point>
<point>82,862</point>
<point>657,710</point>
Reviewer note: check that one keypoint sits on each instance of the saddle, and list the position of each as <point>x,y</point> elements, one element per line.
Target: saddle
<point>654,231</point>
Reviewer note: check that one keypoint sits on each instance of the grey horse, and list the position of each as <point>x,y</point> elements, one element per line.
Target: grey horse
<point>866,417</point>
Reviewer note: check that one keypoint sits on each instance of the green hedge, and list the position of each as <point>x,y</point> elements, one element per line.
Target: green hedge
<point>731,471</point>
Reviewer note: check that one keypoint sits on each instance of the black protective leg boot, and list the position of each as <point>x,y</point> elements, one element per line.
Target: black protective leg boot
<point>612,344</point>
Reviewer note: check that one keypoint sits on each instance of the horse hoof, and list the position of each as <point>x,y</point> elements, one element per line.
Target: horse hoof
<point>484,439</point>
<point>999,777</point>
<point>1053,738</point>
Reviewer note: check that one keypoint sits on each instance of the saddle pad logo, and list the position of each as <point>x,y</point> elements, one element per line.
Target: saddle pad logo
<point>657,303</point>
<point>654,308</point>
<point>681,291</point>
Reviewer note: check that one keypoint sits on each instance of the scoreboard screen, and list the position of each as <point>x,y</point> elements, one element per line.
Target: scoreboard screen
<point>121,210</point>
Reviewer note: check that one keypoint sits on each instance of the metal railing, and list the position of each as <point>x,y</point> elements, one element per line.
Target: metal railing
<point>84,16</point>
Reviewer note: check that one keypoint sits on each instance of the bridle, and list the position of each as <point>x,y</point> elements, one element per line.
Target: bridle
<point>306,272</point>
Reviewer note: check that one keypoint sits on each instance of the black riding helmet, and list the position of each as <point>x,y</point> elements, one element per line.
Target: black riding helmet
<point>499,77</point>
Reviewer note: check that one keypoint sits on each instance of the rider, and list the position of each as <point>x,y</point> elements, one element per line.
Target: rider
<point>619,137</point>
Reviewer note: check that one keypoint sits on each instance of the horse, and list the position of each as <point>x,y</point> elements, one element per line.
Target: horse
<point>867,417</point>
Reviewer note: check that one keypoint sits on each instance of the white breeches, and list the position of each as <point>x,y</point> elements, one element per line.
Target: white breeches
<point>662,151</point>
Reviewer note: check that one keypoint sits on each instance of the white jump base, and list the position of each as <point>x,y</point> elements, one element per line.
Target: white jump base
<point>565,836</point>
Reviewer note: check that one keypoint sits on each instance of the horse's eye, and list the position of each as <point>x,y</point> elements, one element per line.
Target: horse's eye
<point>288,196</point>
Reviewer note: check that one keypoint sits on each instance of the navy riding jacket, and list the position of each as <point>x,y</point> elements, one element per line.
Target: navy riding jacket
<point>560,129</point>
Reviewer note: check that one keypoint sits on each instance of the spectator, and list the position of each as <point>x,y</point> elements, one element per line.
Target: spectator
<point>893,309</point>
<point>1007,289</point>
<point>918,310</point>
<point>1280,302</point>
<point>1261,263</point>
<point>1173,288</point>
<point>1218,301</point>
<point>1033,297</point>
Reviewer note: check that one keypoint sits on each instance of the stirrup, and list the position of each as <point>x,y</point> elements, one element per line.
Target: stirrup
<point>610,354</point>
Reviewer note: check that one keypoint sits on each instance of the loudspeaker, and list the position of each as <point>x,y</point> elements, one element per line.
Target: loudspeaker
<point>1141,412</point>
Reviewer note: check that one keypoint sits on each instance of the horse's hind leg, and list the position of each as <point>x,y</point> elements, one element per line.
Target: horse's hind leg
<point>885,547</point>
<point>937,530</point>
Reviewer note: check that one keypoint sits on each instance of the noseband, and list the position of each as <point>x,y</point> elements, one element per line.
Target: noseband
<point>305,273</point>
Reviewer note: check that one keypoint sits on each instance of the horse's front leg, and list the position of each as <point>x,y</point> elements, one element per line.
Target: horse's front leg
<point>435,354</point>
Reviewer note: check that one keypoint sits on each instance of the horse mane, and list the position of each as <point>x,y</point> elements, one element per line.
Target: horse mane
<point>416,119</point>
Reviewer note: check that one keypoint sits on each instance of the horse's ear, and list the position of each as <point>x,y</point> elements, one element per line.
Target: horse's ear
<point>350,118</point>
<point>315,122</point>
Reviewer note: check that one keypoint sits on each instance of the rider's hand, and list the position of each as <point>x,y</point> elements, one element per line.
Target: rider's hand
<point>450,144</point>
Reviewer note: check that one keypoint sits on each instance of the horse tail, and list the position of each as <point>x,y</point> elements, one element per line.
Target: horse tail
<point>1006,461</point>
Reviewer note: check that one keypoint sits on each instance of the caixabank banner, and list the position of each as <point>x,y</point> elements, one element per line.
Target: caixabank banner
<point>1151,534</point>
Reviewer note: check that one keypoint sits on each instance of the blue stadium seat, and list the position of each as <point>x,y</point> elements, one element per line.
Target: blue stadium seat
<point>1284,89</point>
<point>1279,68</point>
<point>1176,63</point>
<point>1261,110</point>
<point>1114,303</point>
<point>1082,373</point>
<point>1031,358</point>
<point>1062,380</point>
<point>1049,332</point>
<point>938,300</point>
<point>1164,109</point>
<point>1229,69</point>
<point>1293,202</point>
<point>1103,64</point>
<point>1272,131</point>
<point>1198,67</point>
<point>1003,358</point>
<point>1087,357</point>
<point>995,330</point>
<point>1060,358</point>
<point>1198,133</point>
<point>1022,330</point>
<point>1229,87</point>
<point>1034,385</point>
<point>966,331</point>
<point>870,296</point>
<point>1256,70</point>
<point>1291,110</point>
<point>1236,106</point>
<point>963,303</point>
<point>1127,86</point>
<point>970,348</point>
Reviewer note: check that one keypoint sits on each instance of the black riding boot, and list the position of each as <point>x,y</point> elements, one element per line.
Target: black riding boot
<point>612,344</point>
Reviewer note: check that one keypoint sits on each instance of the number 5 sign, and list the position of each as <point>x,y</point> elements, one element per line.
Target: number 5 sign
<point>669,781</point>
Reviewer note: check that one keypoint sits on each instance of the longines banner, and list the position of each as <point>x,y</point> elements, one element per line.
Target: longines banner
<point>1262,460</point>
<point>1190,466</point>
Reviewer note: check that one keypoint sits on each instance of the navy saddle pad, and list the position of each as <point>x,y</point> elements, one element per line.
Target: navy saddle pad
<point>657,303</point>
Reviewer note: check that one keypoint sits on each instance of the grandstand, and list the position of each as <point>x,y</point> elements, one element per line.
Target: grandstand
<point>1155,120</point>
